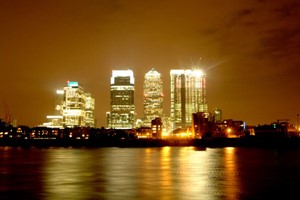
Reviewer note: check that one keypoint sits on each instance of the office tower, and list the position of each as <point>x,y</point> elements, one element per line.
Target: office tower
<point>73,108</point>
<point>188,96</point>
<point>74,105</point>
<point>153,97</point>
<point>89,110</point>
<point>78,107</point>
<point>122,110</point>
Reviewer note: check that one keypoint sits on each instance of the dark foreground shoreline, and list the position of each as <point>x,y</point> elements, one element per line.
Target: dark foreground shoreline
<point>130,142</point>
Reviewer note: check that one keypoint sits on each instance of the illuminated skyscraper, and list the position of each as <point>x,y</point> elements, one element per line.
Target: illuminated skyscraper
<point>74,108</point>
<point>122,110</point>
<point>89,110</point>
<point>188,96</point>
<point>77,104</point>
<point>74,105</point>
<point>153,97</point>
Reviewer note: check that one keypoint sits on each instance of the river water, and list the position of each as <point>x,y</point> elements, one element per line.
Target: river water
<point>149,173</point>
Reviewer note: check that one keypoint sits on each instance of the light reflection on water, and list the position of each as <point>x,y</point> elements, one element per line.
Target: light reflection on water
<point>146,173</point>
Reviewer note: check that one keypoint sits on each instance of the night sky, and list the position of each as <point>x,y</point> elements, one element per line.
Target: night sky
<point>250,51</point>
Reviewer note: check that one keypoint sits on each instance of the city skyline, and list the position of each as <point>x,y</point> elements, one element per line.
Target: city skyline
<point>249,51</point>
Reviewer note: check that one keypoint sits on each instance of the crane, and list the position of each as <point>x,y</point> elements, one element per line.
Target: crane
<point>7,114</point>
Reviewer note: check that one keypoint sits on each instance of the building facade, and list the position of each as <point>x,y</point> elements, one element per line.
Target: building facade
<point>152,97</point>
<point>74,108</point>
<point>89,110</point>
<point>188,96</point>
<point>74,105</point>
<point>218,115</point>
<point>122,109</point>
<point>202,125</point>
<point>156,127</point>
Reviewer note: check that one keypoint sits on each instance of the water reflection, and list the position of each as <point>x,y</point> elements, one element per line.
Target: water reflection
<point>147,173</point>
<point>70,173</point>
<point>165,173</point>
<point>231,179</point>
<point>20,173</point>
<point>114,173</point>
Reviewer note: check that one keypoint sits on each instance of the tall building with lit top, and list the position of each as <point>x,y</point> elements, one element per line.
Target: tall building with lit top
<point>188,96</point>
<point>153,97</point>
<point>74,108</point>
<point>74,105</point>
<point>122,109</point>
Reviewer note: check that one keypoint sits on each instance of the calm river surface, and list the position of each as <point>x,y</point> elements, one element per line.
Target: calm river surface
<point>149,173</point>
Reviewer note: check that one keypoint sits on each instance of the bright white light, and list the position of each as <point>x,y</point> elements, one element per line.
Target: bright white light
<point>54,117</point>
<point>195,72</point>
<point>122,73</point>
<point>198,73</point>
<point>59,92</point>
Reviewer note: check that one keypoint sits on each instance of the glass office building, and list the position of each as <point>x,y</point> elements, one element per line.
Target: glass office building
<point>73,107</point>
<point>122,109</point>
<point>188,95</point>
<point>152,97</point>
